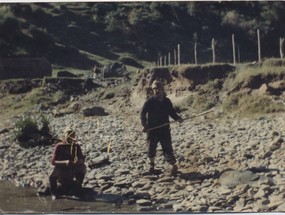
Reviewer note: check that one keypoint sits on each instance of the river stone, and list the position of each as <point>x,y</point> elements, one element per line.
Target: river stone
<point>214,209</point>
<point>276,143</point>
<point>92,174</point>
<point>178,207</point>
<point>139,184</point>
<point>259,194</point>
<point>166,179</point>
<point>281,207</point>
<point>146,208</point>
<point>123,183</point>
<point>151,177</point>
<point>128,192</point>
<point>142,195</point>
<point>143,202</point>
<point>104,177</point>
<point>122,171</point>
<point>275,201</point>
<point>263,180</point>
<point>224,190</point>
<point>3,146</point>
<point>233,178</point>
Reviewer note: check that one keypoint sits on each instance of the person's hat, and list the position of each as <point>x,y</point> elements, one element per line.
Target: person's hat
<point>68,131</point>
<point>156,83</point>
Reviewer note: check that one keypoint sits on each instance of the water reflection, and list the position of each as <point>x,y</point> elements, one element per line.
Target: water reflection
<point>25,200</point>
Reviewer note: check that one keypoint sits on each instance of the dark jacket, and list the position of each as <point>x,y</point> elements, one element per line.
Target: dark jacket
<point>155,112</point>
<point>64,151</point>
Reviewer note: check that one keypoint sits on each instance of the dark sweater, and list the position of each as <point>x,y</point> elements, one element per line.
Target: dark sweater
<point>63,151</point>
<point>155,112</point>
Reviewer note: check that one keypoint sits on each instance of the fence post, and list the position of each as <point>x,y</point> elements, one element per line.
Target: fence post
<point>259,48</point>
<point>234,49</point>
<point>178,53</point>
<point>195,53</point>
<point>174,57</point>
<point>282,47</point>
<point>169,61</point>
<point>213,50</point>
<point>160,60</point>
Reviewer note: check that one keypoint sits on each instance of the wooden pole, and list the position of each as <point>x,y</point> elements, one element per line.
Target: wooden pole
<point>282,47</point>
<point>169,61</point>
<point>160,60</point>
<point>165,63</point>
<point>178,53</point>
<point>195,53</point>
<point>234,49</point>
<point>213,50</point>
<point>259,48</point>
<point>190,117</point>
<point>174,57</point>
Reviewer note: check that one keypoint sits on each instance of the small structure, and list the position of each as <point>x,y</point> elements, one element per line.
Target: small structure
<point>24,67</point>
<point>96,72</point>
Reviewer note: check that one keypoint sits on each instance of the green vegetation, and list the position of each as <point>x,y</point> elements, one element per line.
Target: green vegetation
<point>31,132</point>
<point>251,77</point>
<point>197,102</point>
<point>269,69</point>
<point>240,91</point>
<point>102,32</point>
<point>204,102</point>
<point>248,105</point>
<point>19,104</point>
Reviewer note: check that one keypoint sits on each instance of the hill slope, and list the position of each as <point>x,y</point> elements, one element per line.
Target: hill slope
<point>80,35</point>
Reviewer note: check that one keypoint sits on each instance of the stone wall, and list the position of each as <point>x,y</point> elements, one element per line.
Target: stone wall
<point>24,67</point>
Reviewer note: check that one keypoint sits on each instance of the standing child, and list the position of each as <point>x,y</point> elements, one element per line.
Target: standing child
<point>155,112</point>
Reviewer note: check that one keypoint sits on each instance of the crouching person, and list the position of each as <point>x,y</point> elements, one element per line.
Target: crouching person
<point>69,168</point>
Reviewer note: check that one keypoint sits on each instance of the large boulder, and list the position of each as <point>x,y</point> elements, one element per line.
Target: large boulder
<point>115,70</point>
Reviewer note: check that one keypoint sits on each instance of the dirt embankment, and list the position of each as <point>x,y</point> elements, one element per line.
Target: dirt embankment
<point>180,81</point>
<point>198,87</point>
<point>244,88</point>
<point>184,76</point>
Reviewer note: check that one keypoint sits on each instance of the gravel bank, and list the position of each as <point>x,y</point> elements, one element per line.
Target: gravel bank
<point>227,165</point>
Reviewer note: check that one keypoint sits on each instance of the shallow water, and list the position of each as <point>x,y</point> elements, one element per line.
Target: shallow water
<point>25,200</point>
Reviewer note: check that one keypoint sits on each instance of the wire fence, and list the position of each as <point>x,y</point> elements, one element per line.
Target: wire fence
<point>174,57</point>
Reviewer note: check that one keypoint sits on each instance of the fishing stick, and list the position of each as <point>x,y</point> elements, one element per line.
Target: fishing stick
<point>190,117</point>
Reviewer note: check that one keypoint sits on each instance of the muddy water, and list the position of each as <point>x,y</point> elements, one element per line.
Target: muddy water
<point>25,200</point>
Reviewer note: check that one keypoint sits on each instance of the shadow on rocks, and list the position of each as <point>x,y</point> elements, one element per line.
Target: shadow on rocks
<point>262,170</point>
<point>192,176</point>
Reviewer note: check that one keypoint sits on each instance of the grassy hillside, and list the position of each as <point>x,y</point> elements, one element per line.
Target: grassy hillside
<point>79,35</point>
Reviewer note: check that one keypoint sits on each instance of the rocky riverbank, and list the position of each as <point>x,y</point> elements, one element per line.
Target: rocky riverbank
<point>226,164</point>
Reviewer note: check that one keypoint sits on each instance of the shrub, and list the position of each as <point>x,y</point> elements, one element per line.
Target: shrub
<point>204,102</point>
<point>248,105</point>
<point>25,127</point>
<point>30,132</point>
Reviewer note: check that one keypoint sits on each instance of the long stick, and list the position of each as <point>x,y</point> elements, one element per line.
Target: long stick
<point>197,115</point>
